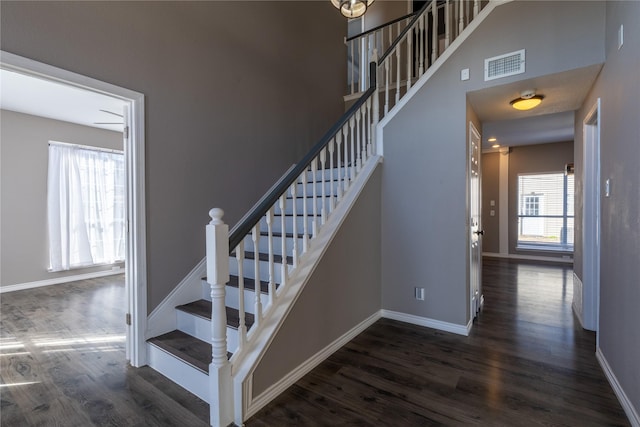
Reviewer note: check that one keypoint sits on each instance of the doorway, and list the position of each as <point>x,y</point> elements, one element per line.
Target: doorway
<point>591,221</point>
<point>133,135</point>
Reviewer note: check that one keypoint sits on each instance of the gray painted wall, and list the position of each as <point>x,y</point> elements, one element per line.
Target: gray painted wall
<point>533,159</point>
<point>491,191</point>
<point>424,234</point>
<point>343,291</point>
<point>24,153</point>
<point>618,87</point>
<point>235,91</point>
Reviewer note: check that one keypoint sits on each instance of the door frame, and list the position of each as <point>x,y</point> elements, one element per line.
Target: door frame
<point>474,308</point>
<point>134,149</point>
<point>591,220</point>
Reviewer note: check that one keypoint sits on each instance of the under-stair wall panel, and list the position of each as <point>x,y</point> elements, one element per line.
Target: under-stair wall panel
<point>343,291</point>
<point>424,230</point>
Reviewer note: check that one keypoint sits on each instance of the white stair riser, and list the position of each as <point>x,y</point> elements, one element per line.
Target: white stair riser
<point>326,172</point>
<point>200,328</point>
<point>330,188</point>
<point>249,269</point>
<point>276,226</point>
<point>263,244</point>
<point>181,373</point>
<point>232,299</point>
<point>299,205</point>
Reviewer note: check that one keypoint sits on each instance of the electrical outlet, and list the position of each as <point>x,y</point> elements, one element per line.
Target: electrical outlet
<point>419,294</point>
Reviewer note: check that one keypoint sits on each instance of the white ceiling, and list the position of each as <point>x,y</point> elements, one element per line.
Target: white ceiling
<point>551,121</point>
<point>39,97</point>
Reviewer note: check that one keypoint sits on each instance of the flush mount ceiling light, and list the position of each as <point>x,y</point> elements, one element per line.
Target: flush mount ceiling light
<point>528,100</point>
<point>352,8</point>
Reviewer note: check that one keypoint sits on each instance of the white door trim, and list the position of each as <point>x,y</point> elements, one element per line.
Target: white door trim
<point>591,220</point>
<point>136,268</point>
<point>475,283</point>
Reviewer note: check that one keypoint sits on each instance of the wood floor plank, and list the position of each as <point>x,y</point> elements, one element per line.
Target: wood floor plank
<point>527,362</point>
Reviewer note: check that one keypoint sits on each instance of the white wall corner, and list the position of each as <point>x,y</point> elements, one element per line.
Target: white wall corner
<point>625,402</point>
<point>577,298</point>
<point>428,323</point>
<point>163,318</point>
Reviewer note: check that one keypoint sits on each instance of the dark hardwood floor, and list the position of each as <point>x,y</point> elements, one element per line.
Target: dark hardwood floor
<point>62,360</point>
<point>527,362</point>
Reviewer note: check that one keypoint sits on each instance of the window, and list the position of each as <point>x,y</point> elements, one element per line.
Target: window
<point>545,211</point>
<point>86,206</point>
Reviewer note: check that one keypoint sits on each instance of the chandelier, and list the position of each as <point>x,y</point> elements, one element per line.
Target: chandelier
<point>352,8</point>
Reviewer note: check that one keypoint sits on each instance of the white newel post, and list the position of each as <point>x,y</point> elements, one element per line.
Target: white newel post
<point>220,384</point>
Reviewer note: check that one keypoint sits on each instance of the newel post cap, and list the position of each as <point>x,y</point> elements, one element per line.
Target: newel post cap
<point>216,215</point>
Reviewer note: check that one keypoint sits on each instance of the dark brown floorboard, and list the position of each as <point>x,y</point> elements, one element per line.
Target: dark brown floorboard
<point>527,362</point>
<point>62,363</point>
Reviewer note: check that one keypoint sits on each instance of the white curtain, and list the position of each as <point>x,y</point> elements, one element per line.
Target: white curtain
<point>86,210</point>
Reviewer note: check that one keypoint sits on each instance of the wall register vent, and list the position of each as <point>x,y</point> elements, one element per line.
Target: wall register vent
<point>505,65</point>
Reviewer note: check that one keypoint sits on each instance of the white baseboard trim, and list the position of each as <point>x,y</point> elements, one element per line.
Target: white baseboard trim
<point>292,377</point>
<point>59,280</point>
<point>626,404</point>
<point>163,318</point>
<point>427,322</point>
<point>528,257</point>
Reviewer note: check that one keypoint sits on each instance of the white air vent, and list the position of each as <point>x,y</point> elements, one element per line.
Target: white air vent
<point>504,65</point>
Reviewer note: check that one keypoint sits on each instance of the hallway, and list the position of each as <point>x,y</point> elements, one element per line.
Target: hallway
<point>527,362</point>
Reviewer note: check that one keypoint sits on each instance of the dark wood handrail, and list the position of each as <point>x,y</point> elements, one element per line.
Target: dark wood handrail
<point>254,217</point>
<point>364,33</point>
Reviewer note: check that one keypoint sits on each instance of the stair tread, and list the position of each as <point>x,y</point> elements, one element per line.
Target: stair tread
<point>191,350</point>
<point>277,259</point>
<point>278,234</point>
<point>202,308</point>
<point>249,284</point>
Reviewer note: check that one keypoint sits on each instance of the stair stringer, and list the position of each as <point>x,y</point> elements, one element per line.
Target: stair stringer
<point>259,339</point>
<point>469,29</point>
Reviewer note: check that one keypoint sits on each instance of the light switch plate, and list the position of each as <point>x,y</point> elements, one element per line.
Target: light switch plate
<point>464,74</point>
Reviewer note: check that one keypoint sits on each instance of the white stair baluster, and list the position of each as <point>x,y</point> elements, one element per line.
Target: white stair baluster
<point>272,276</point>
<point>345,133</point>
<point>409,58</point>
<point>353,66</point>
<point>422,41</point>
<point>339,164</point>
<point>323,160</point>
<point>242,327</point>
<point>255,235</point>
<point>386,86</point>
<point>314,212</point>
<point>295,227</point>
<point>283,231</point>
<point>460,17</point>
<point>331,177</point>
<point>476,8</point>
<point>398,51</point>
<point>447,26</point>
<point>352,169</point>
<point>369,130</point>
<point>434,33</point>
<point>358,137</point>
<point>305,215</point>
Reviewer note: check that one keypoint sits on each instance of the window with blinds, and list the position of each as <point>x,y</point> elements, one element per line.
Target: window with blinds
<point>545,211</point>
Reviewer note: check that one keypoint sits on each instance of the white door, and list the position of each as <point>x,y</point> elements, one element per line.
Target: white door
<point>475,223</point>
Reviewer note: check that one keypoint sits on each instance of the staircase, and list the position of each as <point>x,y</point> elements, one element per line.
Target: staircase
<point>255,273</point>
<point>184,354</point>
